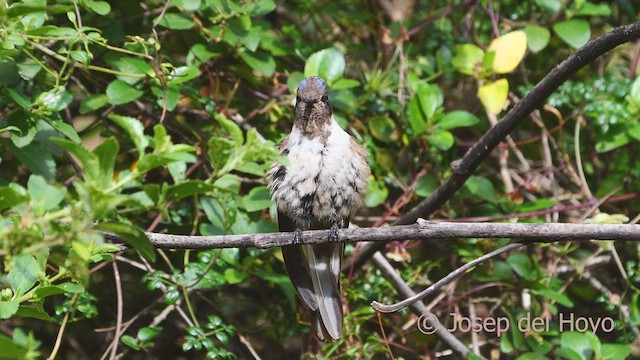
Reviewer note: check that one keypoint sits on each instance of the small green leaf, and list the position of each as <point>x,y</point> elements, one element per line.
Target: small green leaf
<point>132,235</point>
<point>8,309</point>
<point>426,185</point>
<point>329,64</point>
<point>89,161</point>
<point>130,341</point>
<point>467,58</point>
<point>259,61</point>
<point>188,188</point>
<point>578,343</point>
<point>383,128</point>
<point>574,32</point>
<point>441,139</point>
<point>376,194</point>
<point>257,199</point>
<point>119,92</point>
<point>148,333</point>
<point>521,264</point>
<point>587,8</point>
<point>183,74</point>
<point>457,119</point>
<point>93,102</point>
<point>175,21</point>
<point>11,196</point>
<point>42,196</point>
<point>537,37</point>
<point>99,7</point>
<point>134,129</point>
<point>481,187</point>
<point>23,274</point>
<point>614,352</point>
<point>561,299</point>
<point>234,276</point>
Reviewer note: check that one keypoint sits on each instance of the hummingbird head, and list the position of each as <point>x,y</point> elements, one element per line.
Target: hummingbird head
<point>313,111</point>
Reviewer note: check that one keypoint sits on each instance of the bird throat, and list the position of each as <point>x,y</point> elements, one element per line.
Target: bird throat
<point>312,126</point>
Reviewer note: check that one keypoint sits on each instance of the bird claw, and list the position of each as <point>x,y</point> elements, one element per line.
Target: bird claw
<point>333,233</point>
<point>297,236</point>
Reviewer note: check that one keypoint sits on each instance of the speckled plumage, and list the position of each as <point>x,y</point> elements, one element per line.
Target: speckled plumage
<point>320,186</point>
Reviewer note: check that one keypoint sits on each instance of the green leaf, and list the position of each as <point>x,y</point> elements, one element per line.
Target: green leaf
<point>561,299</point>
<point>343,84</point>
<point>130,341</point>
<point>106,154</point>
<point>35,157</point>
<point>175,21</point>
<point>614,352</point>
<point>239,29</point>
<point>10,196</point>
<point>90,163</point>
<point>329,64</point>
<point>134,128</point>
<point>11,350</point>
<point>521,264</point>
<point>577,342</point>
<point>200,53</point>
<point>493,96</point>
<point>188,188</point>
<point>23,274</point>
<point>148,333</point>
<point>426,185</point>
<point>183,74</point>
<point>130,65</point>
<point>423,106</point>
<point>119,92</point>
<point>467,58</point>
<point>257,199</point>
<point>234,276</point>
<point>8,71</point>
<point>576,33</point>
<point>259,61</point>
<point>8,309</point>
<point>590,9</point>
<point>42,196</point>
<point>481,187</point>
<point>537,37</point>
<point>132,235</point>
<point>441,139</point>
<point>93,102</point>
<point>99,7</point>
<point>376,194</point>
<point>383,128</point>
<point>235,132</point>
<point>65,129</point>
<point>457,119</point>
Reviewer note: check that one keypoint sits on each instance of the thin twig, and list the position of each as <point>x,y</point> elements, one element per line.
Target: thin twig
<point>116,276</point>
<point>445,280</point>
<point>56,346</point>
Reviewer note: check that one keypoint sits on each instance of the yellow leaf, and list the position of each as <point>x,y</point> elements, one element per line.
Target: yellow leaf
<point>509,50</point>
<point>494,95</point>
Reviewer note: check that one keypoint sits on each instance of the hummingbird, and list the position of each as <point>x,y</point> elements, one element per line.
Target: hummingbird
<point>319,186</point>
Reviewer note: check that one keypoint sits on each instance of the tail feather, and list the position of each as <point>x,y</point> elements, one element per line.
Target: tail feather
<point>324,268</point>
<point>296,264</point>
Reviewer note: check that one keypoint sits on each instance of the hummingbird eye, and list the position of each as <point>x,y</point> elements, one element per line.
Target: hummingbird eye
<point>325,98</point>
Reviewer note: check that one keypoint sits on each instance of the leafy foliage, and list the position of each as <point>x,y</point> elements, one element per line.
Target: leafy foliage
<point>124,117</point>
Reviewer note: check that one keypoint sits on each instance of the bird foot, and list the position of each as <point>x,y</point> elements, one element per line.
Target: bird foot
<point>333,233</point>
<point>297,236</point>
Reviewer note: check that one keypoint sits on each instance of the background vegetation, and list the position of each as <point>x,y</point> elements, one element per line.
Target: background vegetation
<point>163,116</point>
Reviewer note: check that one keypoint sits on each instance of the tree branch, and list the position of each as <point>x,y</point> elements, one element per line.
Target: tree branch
<point>423,229</point>
<point>465,167</point>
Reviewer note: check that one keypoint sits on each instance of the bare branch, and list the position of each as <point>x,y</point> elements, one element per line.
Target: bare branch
<point>542,232</point>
